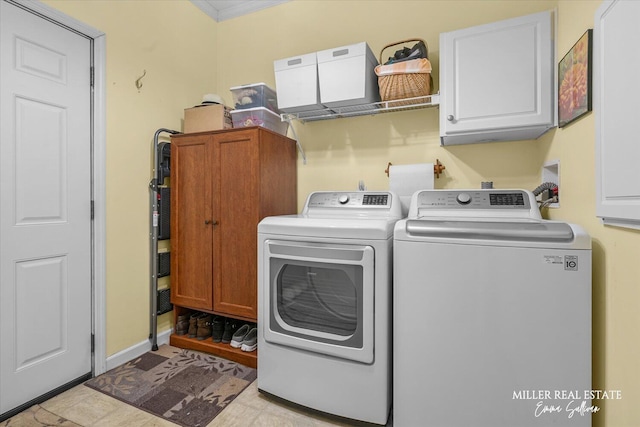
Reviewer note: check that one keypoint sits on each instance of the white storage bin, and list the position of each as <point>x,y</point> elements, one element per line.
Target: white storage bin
<point>259,116</point>
<point>347,77</point>
<point>297,83</point>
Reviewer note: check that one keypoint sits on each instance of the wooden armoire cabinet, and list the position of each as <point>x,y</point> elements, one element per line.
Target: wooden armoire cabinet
<point>222,184</point>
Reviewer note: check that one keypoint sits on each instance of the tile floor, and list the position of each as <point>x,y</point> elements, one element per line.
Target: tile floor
<point>83,406</point>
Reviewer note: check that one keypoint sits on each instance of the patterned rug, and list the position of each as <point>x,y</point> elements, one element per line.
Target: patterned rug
<point>186,387</point>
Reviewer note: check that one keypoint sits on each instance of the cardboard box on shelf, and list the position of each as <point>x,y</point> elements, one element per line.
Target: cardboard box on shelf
<point>207,117</point>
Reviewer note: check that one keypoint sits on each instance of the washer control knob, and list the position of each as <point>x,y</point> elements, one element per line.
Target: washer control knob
<point>343,199</point>
<point>463,198</point>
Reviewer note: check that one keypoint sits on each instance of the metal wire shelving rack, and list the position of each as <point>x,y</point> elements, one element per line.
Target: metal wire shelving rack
<point>364,109</point>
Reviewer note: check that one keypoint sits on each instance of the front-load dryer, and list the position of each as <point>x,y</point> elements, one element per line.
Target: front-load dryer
<point>324,304</point>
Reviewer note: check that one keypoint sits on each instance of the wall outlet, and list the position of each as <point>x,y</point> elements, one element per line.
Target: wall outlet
<point>551,173</point>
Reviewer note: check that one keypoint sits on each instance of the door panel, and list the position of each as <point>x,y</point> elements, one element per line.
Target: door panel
<point>39,159</point>
<point>191,223</point>
<point>235,273</point>
<point>40,61</point>
<point>29,275</point>
<point>45,207</point>
<point>615,77</point>
<point>497,77</point>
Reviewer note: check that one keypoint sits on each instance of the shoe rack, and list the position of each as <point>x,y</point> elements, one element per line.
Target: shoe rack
<point>247,358</point>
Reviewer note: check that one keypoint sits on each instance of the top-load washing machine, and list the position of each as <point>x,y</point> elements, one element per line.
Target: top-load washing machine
<point>324,304</point>
<point>492,313</point>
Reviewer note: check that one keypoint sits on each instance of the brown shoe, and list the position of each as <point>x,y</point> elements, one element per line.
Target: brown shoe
<point>204,326</point>
<point>182,323</point>
<point>193,325</point>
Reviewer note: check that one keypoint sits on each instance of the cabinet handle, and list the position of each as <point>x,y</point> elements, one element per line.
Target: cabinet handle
<point>209,221</point>
<point>450,117</point>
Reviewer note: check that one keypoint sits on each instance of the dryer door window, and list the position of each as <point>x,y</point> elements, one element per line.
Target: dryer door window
<point>321,298</point>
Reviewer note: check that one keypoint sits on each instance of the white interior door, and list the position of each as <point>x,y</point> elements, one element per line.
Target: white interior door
<point>45,207</point>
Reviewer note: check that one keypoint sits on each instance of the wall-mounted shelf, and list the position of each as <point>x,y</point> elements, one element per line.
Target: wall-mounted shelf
<point>365,109</point>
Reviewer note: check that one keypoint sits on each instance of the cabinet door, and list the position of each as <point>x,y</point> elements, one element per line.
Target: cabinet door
<point>236,207</point>
<point>191,222</point>
<point>497,77</point>
<point>615,82</point>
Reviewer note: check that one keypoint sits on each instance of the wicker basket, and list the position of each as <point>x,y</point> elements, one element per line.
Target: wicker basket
<point>402,80</point>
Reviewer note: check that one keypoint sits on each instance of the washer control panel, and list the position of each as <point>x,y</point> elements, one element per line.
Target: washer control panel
<point>356,199</point>
<point>492,199</point>
<point>485,202</point>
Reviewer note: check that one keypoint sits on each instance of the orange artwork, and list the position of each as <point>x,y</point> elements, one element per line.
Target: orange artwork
<point>574,88</point>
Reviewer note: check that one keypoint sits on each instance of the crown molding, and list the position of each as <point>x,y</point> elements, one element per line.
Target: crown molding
<point>222,10</point>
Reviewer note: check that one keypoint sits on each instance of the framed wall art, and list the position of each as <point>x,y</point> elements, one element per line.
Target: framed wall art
<point>574,81</point>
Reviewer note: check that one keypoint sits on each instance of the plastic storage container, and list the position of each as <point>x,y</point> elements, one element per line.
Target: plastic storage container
<point>253,96</point>
<point>346,76</point>
<point>297,83</point>
<point>259,116</point>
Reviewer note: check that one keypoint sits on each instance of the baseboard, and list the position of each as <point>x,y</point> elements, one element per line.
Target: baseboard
<point>137,350</point>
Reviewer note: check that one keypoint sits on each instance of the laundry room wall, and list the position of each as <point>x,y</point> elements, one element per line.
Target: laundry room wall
<point>175,43</point>
<point>187,54</point>
<point>343,151</point>
<point>616,270</point>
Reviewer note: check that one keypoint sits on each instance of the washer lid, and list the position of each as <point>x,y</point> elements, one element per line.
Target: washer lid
<point>515,232</point>
<point>542,231</point>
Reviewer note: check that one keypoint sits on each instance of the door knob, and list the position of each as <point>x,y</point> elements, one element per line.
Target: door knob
<point>450,117</point>
<point>210,222</point>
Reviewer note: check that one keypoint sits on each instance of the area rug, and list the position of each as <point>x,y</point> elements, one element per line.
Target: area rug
<point>186,387</point>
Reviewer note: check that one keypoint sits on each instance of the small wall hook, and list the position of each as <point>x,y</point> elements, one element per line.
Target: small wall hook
<point>139,80</point>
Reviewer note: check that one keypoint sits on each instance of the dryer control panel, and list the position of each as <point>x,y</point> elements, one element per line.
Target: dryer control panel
<point>353,203</point>
<point>349,199</point>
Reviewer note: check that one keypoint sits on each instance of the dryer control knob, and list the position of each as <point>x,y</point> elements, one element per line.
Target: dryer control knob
<point>344,199</point>
<point>463,198</point>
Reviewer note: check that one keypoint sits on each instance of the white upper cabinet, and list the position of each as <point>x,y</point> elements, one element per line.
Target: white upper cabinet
<point>497,81</point>
<point>617,111</point>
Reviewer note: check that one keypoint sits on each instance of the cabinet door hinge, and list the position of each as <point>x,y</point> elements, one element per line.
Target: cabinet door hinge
<point>93,210</point>
<point>93,343</point>
<point>92,76</point>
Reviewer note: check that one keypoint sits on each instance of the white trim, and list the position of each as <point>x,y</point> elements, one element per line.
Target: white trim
<point>100,208</point>
<point>223,10</point>
<point>57,16</point>
<point>621,222</point>
<point>207,8</point>
<point>99,171</point>
<point>245,8</point>
<point>134,351</point>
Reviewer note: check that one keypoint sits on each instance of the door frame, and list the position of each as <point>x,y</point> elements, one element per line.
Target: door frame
<point>98,169</point>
